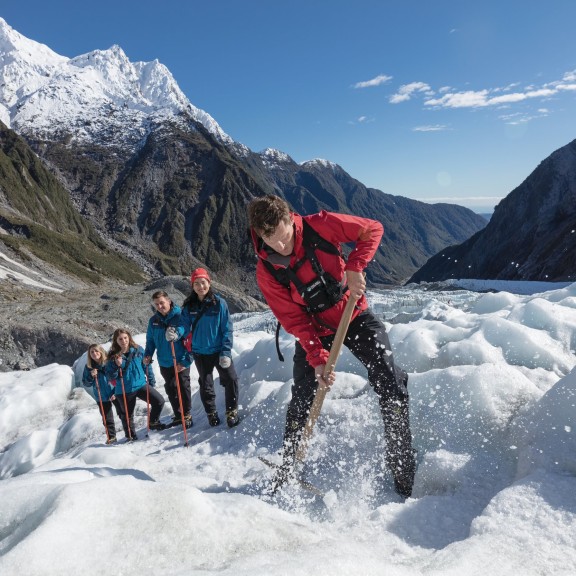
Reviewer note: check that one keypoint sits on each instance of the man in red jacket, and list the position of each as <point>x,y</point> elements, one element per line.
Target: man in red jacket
<point>307,283</point>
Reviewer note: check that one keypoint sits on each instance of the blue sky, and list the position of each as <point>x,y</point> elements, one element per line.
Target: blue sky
<point>448,100</point>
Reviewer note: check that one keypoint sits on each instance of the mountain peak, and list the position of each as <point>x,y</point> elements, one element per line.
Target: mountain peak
<point>271,154</point>
<point>98,93</point>
<point>320,162</point>
<point>13,44</point>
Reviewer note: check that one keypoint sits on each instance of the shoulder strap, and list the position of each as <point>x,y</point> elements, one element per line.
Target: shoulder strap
<point>203,309</point>
<point>130,357</point>
<point>311,238</point>
<point>279,274</point>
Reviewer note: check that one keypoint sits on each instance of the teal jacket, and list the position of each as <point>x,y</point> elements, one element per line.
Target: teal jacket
<point>88,381</point>
<point>213,332</point>
<point>156,339</point>
<point>132,372</point>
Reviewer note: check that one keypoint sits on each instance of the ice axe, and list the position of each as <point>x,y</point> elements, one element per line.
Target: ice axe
<point>328,368</point>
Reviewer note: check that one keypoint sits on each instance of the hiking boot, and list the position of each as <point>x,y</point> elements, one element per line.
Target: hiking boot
<point>177,421</point>
<point>157,425</point>
<point>133,438</point>
<point>232,418</point>
<point>213,419</point>
<point>111,440</point>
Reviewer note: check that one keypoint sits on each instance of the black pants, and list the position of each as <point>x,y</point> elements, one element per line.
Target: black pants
<point>108,416</point>
<point>205,364</point>
<point>156,405</point>
<point>170,385</point>
<point>368,341</point>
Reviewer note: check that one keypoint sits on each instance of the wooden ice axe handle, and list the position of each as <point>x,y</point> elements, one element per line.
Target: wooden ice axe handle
<point>328,368</point>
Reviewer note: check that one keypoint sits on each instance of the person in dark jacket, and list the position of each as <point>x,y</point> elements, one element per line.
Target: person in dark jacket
<point>94,376</point>
<point>307,289</point>
<point>133,379</point>
<point>205,316</point>
<point>165,329</point>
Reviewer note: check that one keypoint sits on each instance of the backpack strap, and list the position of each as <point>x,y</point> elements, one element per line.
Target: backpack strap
<point>278,351</point>
<point>311,238</point>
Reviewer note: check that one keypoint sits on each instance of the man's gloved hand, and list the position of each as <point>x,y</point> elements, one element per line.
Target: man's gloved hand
<point>171,334</point>
<point>225,362</point>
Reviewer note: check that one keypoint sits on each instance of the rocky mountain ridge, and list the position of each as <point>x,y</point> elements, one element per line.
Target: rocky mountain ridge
<point>531,235</point>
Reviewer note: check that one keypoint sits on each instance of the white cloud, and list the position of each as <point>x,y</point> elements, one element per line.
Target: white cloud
<point>361,120</point>
<point>380,79</point>
<point>405,92</point>
<point>430,128</point>
<point>566,86</point>
<point>518,118</point>
<point>468,99</point>
<point>481,98</point>
<point>499,96</point>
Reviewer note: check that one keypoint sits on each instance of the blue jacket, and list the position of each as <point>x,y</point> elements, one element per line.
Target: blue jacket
<point>213,332</point>
<point>106,389</point>
<point>133,371</point>
<point>156,338</point>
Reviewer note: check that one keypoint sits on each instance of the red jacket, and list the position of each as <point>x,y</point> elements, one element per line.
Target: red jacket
<point>286,303</point>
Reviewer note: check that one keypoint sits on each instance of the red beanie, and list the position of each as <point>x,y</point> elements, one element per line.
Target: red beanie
<point>199,273</point>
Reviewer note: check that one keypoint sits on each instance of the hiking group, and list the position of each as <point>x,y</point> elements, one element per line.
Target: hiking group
<point>307,284</point>
<point>201,330</point>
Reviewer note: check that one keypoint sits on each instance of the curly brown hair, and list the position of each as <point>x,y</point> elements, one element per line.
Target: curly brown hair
<point>266,213</point>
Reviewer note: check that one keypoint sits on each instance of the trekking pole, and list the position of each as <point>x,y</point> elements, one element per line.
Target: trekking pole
<point>147,399</point>
<point>125,406</point>
<point>102,408</point>
<point>179,393</point>
<point>328,369</point>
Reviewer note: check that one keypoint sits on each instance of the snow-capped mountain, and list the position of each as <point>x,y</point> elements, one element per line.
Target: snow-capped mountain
<point>98,96</point>
<point>160,181</point>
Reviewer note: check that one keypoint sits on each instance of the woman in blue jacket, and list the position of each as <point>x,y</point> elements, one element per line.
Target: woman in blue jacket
<point>133,380</point>
<point>205,315</point>
<point>94,376</point>
<point>165,329</point>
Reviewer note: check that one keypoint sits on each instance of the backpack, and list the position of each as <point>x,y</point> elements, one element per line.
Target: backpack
<point>322,292</point>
